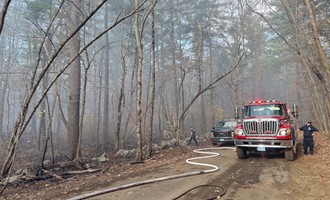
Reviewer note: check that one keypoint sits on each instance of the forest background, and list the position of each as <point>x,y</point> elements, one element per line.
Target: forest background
<point>88,77</point>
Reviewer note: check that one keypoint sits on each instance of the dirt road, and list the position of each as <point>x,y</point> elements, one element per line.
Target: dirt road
<point>258,177</point>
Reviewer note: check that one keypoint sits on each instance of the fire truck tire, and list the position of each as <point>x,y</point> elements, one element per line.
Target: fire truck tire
<point>241,152</point>
<point>289,154</point>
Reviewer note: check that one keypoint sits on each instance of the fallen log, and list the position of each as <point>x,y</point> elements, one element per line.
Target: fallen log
<point>68,173</point>
<point>47,175</point>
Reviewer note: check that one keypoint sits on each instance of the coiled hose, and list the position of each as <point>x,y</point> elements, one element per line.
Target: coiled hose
<point>189,160</point>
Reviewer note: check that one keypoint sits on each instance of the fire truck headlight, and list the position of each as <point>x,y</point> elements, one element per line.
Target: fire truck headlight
<point>238,132</point>
<point>284,132</point>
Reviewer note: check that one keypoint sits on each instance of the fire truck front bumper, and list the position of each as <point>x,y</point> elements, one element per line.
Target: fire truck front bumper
<point>264,143</point>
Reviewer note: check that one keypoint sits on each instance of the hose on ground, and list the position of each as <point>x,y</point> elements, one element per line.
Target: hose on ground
<point>223,192</point>
<point>189,161</point>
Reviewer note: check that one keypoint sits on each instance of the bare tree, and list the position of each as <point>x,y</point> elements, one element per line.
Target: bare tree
<point>153,83</point>
<point>139,25</point>
<point>25,116</point>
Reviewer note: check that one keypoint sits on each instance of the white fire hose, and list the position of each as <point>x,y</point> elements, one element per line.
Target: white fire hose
<point>214,168</point>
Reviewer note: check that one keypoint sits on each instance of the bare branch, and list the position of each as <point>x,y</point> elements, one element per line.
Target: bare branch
<point>3,13</point>
<point>210,86</point>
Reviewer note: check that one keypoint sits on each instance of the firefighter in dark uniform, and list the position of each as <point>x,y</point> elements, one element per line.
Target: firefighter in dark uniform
<point>192,136</point>
<point>308,142</point>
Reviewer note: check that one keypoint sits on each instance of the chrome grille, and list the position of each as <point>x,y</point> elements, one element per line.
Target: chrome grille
<point>222,134</point>
<point>260,127</point>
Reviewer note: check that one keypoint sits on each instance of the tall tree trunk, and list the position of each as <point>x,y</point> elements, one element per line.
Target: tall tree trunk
<point>42,112</point>
<point>153,84</point>
<point>138,155</point>
<point>212,103</point>
<point>174,98</point>
<point>98,114</point>
<point>121,104</point>
<point>106,86</point>
<point>199,56</point>
<point>83,104</point>
<point>121,101</point>
<point>43,131</point>
<point>75,73</point>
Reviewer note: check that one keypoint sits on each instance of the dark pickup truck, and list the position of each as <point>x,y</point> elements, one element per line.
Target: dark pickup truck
<point>223,132</point>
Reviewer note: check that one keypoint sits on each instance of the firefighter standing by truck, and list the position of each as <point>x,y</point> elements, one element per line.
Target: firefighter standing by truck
<point>308,142</point>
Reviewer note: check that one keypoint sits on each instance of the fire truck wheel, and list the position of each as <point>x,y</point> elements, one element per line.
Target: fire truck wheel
<point>241,152</point>
<point>289,154</point>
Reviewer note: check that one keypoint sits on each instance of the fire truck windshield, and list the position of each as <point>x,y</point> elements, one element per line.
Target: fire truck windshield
<point>264,110</point>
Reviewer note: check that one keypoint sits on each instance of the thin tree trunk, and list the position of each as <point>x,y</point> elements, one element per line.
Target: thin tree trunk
<point>48,134</point>
<point>130,104</point>
<point>99,116</point>
<point>212,104</point>
<point>174,98</point>
<point>138,155</point>
<point>199,53</point>
<point>83,103</point>
<point>121,104</point>
<point>4,87</point>
<point>42,112</point>
<point>121,100</point>
<point>153,84</point>
<point>106,110</point>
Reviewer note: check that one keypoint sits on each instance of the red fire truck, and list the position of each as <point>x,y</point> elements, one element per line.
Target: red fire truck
<point>266,125</point>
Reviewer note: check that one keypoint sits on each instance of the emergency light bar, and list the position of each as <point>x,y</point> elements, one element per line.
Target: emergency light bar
<point>264,101</point>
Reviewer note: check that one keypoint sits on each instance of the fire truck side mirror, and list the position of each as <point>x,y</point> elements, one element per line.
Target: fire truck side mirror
<point>295,111</point>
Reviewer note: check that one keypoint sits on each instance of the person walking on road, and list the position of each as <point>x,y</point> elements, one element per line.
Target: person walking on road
<point>308,142</point>
<point>192,136</point>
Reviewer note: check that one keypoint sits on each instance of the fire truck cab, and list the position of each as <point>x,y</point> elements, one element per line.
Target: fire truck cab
<point>266,125</point>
